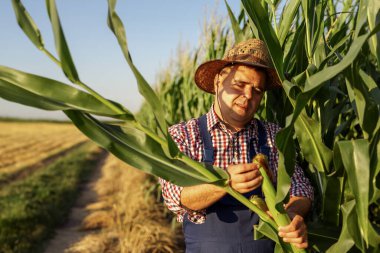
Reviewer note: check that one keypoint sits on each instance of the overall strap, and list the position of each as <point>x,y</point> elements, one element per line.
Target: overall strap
<point>262,141</point>
<point>208,150</point>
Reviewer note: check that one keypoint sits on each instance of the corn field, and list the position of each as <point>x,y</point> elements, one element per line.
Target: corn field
<point>327,56</point>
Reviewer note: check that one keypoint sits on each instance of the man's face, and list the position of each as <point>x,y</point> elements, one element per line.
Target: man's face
<point>239,90</point>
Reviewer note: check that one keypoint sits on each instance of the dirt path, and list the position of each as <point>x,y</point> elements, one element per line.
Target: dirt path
<point>70,233</point>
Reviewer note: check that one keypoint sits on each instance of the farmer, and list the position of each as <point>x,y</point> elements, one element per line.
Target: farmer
<point>228,137</point>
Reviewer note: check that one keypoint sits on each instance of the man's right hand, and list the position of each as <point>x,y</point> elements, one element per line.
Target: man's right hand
<point>244,177</point>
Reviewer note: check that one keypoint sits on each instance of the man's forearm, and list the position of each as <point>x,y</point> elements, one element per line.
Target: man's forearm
<point>298,205</point>
<point>199,197</point>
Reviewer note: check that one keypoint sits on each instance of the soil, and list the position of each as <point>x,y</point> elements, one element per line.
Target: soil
<point>70,233</point>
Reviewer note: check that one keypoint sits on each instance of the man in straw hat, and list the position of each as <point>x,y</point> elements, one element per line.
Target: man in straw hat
<point>228,137</point>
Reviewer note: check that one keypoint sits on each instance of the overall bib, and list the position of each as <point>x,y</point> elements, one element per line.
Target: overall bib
<point>229,224</point>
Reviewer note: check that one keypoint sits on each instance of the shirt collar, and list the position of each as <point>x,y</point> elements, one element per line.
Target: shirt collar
<point>213,121</point>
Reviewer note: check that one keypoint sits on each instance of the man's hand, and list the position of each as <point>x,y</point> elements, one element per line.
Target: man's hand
<point>295,233</point>
<point>244,177</point>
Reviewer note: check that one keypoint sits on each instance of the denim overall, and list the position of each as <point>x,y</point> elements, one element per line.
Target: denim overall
<point>229,224</point>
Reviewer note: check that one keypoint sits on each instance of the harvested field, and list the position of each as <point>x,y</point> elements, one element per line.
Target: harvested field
<point>26,146</point>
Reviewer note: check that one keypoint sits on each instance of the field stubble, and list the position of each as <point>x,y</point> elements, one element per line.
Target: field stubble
<point>25,146</point>
<point>127,216</point>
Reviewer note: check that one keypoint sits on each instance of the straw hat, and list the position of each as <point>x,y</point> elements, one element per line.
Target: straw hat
<point>252,52</point>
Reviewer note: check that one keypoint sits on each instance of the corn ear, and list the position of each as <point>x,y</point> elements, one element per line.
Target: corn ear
<point>259,202</point>
<point>280,216</point>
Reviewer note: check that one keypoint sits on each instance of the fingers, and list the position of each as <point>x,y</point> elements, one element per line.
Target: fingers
<point>247,176</point>
<point>295,233</point>
<point>248,186</point>
<point>244,177</point>
<point>241,168</point>
<point>296,224</point>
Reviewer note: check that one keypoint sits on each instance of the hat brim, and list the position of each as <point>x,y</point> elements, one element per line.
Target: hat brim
<point>206,72</point>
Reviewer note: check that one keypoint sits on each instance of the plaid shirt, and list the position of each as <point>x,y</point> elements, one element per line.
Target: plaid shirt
<point>229,148</point>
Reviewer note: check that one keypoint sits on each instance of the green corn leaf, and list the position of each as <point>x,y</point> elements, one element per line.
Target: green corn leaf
<point>334,50</point>
<point>239,35</point>
<point>308,13</point>
<point>48,94</point>
<point>321,76</point>
<point>15,94</point>
<point>314,82</point>
<point>287,19</point>
<point>309,136</point>
<point>261,20</point>
<point>349,236</point>
<point>139,150</point>
<point>356,161</point>
<point>374,237</point>
<point>332,198</point>
<point>297,43</point>
<point>321,236</point>
<point>62,48</point>
<point>318,26</point>
<point>65,62</point>
<point>271,233</point>
<point>366,108</point>
<point>371,86</point>
<point>361,17</point>
<point>331,8</point>
<point>330,111</point>
<point>286,162</point>
<point>117,27</point>
<point>373,15</point>
<point>345,241</point>
<point>374,153</point>
<point>27,24</point>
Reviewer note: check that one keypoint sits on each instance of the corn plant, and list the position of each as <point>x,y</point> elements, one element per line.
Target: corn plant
<point>329,108</point>
<point>327,55</point>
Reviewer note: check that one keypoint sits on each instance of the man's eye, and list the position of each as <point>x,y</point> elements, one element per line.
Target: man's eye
<point>240,85</point>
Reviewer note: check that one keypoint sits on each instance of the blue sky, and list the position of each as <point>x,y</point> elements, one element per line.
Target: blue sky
<point>154,31</point>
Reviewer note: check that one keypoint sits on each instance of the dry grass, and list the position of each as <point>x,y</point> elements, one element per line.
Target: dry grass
<point>127,215</point>
<point>25,144</point>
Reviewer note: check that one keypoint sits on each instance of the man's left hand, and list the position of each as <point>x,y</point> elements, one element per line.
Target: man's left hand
<point>295,233</point>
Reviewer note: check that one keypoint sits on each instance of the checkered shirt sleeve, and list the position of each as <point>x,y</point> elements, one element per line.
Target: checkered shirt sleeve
<point>171,193</point>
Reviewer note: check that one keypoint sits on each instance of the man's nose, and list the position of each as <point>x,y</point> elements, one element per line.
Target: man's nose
<point>248,91</point>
